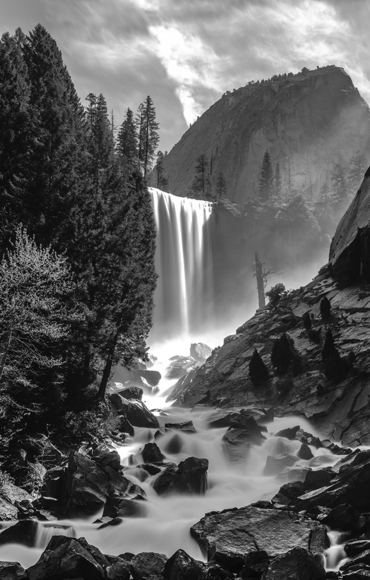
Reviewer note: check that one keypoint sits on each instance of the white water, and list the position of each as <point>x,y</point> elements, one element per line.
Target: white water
<point>184,296</point>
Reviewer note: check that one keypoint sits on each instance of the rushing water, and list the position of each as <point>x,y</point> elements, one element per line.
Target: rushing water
<point>184,296</point>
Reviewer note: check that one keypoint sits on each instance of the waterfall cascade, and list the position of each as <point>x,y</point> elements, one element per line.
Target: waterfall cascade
<point>184,297</point>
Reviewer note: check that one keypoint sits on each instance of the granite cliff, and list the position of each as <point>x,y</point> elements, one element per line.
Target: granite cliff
<point>340,409</point>
<point>307,122</point>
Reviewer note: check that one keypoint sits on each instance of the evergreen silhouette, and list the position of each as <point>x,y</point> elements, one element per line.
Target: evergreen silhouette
<point>307,321</point>
<point>221,190</point>
<point>281,354</point>
<point>278,184</point>
<point>325,307</point>
<point>161,181</point>
<point>201,184</point>
<point>148,135</point>
<point>258,371</point>
<point>329,345</point>
<point>127,144</point>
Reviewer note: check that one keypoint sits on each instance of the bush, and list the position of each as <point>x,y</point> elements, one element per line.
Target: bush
<point>275,293</point>
<point>307,321</point>
<point>335,368</point>
<point>325,307</point>
<point>329,346</point>
<point>258,371</point>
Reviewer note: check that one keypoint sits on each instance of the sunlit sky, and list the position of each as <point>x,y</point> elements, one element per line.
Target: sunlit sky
<point>186,53</point>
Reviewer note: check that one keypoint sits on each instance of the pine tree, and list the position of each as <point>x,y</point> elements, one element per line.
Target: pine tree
<point>258,371</point>
<point>201,184</point>
<point>221,190</point>
<point>148,135</point>
<point>329,345</point>
<point>325,307</point>
<point>127,143</point>
<point>160,179</point>
<point>307,321</point>
<point>266,181</point>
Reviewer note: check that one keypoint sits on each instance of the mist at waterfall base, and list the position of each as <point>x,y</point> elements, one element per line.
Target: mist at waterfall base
<point>187,307</point>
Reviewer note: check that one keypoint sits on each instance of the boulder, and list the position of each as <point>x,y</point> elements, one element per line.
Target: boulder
<point>124,508</point>
<point>186,426</point>
<point>290,432</point>
<point>181,566</point>
<point>147,565</point>
<point>288,493</point>
<point>297,563</point>
<point>181,366</point>
<point>241,434</point>
<point>255,564</point>
<point>23,532</point>
<point>150,376</point>
<point>152,454</point>
<point>53,482</point>
<point>12,571</point>
<point>276,465</point>
<point>68,558</point>
<point>8,511</point>
<point>200,351</point>
<point>87,486</point>
<point>230,535</point>
<point>318,478</point>
<point>343,517</point>
<point>106,457</point>
<point>175,444</point>
<point>131,393</point>
<point>355,547</point>
<point>189,477</point>
<point>134,411</point>
<point>119,570</point>
<point>305,452</point>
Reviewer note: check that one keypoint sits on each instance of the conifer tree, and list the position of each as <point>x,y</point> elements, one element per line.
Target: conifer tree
<point>266,182</point>
<point>307,321</point>
<point>127,143</point>
<point>148,135</point>
<point>160,179</point>
<point>277,182</point>
<point>329,345</point>
<point>258,371</point>
<point>221,190</point>
<point>325,307</point>
<point>201,184</point>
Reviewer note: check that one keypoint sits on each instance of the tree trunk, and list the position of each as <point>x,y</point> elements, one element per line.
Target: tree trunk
<point>107,369</point>
<point>260,285</point>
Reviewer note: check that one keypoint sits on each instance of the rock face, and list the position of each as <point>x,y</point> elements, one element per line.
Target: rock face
<point>307,122</point>
<point>228,536</point>
<point>189,477</point>
<point>338,408</point>
<point>350,249</point>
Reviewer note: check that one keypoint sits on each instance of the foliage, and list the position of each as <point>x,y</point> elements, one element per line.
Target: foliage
<point>266,181</point>
<point>148,135</point>
<point>258,371</point>
<point>335,368</point>
<point>284,356</point>
<point>161,182</point>
<point>201,184</point>
<point>278,184</point>
<point>325,307</point>
<point>127,144</point>
<point>221,189</point>
<point>329,345</point>
<point>275,293</point>
<point>307,321</point>
<point>284,385</point>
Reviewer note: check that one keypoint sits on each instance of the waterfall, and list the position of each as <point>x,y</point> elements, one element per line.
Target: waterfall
<point>184,297</point>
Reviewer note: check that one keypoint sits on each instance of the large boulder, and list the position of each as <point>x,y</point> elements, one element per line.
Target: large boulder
<point>189,477</point>
<point>136,412</point>
<point>181,566</point>
<point>12,571</point>
<point>349,251</point>
<point>230,535</point>
<point>296,563</point>
<point>200,351</point>
<point>69,558</point>
<point>147,565</point>
<point>243,432</point>
<point>87,486</point>
<point>23,532</point>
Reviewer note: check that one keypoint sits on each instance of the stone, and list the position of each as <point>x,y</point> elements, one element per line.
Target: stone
<point>288,493</point>
<point>181,566</point>
<point>125,508</point>
<point>255,564</point>
<point>297,563</point>
<point>23,532</point>
<point>241,434</point>
<point>189,477</point>
<point>120,570</point>
<point>175,445</point>
<point>67,558</point>
<point>88,486</point>
<point>200,351</point>
<point>289,432</point>
<point>146,565</point>
<point>180,367</point>
<point>362,558</point>
<point>186,426</point>
<point>134,411</point>
<point>106,457</point>
<point>12,571</point>
<point>318,478</point>
<point>228,536</point>
<point>152,454</point>
<point>276,465</point>
<point>343,517</point>
<point>131,393</point>
<point>8,511</point>
<point>355,547</point>
<point>305,452</point>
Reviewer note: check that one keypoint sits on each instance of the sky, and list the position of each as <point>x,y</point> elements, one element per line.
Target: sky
<point>186,53</point>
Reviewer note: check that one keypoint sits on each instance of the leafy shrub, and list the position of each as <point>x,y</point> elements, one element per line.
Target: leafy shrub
<point>325,307</point>
<point>275,293</point>
<point>258,371</point>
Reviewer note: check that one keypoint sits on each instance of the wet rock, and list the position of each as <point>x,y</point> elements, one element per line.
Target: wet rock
<point>276,465</point>
<point>186,426</point>
<point>106,457</point>
<point>189,477</point>
<point>216,572</point>
<point>255,564</point>
<point>319,478</point>
<point>200,351</point>
<point>297,563</point>
<point>355,458</point>
<point>23,532</point>
<point>175,445</point>
<point>290,432</point>
<point>360,560</point>
<point>69,558</point>
<point>131,393</point>
<point>53,482</point>
<point>87,486</point>
<point>8,511</point>
<point>343,517</point>
<point>181,566</point>
<point>107,521</point>
<point>228,536</point>
<point>241,435</point>
<point>134,411</point>
<point>288,493</point>
<point>152,454</point>
<point>305,452</point>
<point>147,565</point>
<point>120,570</point>
<point>12,571</point>
<point>150,468</point>
<point>124,508</point>
<point>355,547</point>
<point>181,366</point>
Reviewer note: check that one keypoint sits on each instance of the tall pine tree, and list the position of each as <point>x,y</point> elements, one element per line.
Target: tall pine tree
<point>147,134</point>
<point>266,182</point>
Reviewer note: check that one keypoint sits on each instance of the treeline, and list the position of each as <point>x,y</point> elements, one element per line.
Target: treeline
<point>77,236</point>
